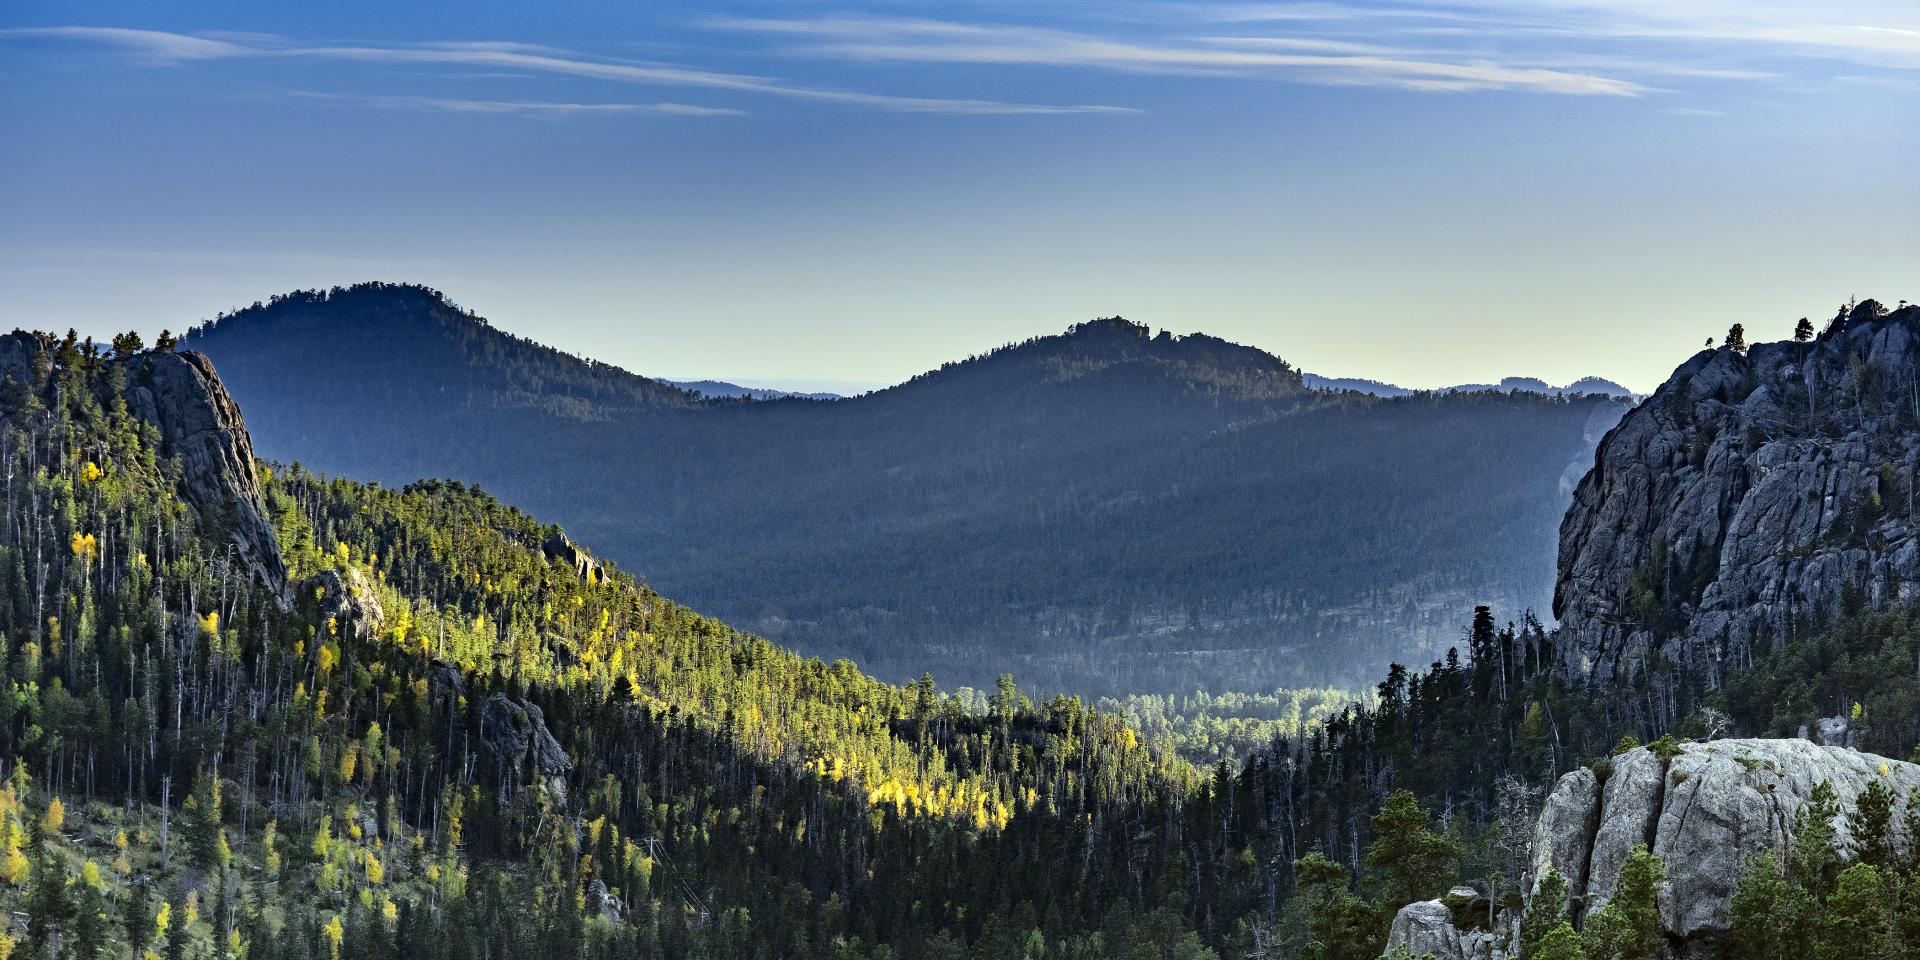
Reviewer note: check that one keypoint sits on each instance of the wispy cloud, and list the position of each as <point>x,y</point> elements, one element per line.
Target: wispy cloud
<point>1319,60</point>
<point>1605,47</point>
<point>1877,32</point>
<point>153,45</point>
<point>172,256</point>
<point>160,47</point>
<point>522,107</point>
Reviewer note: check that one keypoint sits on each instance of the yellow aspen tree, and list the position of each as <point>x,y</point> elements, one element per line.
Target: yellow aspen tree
<point>55,818</point>
<point>334,932</point>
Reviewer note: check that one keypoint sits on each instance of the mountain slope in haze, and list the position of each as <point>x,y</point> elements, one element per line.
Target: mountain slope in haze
<point>1107,510</point>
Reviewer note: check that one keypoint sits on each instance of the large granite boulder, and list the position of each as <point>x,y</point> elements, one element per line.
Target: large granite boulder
<point>520,748</point>
<point>1707,811</point>
<point>1751,492</point>
<point>1428,929</point>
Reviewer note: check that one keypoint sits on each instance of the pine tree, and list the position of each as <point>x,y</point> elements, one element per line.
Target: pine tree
<point>89,938</point>
<point>49,907</point>
<point>1871,824</point>
<point>1559,943</point>
<point>1629,926</point>
<point>1766,914</point>
<point>1737,338</point>
<point>136,916</point>
<point>1815,860</point>
<point>1413,860</point>
<point>1546,911</point>
<point>178,936</point>
<point>1803,331</point>
<point>1858,920</point>
<point>1340,925</point>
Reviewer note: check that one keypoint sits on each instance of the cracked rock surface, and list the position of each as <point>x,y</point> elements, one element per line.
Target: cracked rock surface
<point>1752,494</point>
<point>1706,811</point>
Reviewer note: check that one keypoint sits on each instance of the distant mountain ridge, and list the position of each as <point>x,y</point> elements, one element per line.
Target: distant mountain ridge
<point>723,388</point>
<point>1104,510</point>
<point>1378,388</point>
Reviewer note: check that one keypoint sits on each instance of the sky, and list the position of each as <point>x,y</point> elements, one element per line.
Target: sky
<point>847,194</point>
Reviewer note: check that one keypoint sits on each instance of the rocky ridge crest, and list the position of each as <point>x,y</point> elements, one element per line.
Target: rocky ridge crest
<point>1752,495</point>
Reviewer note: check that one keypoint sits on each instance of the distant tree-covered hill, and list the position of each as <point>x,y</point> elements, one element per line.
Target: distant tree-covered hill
<point>1506,385</point>
<point>1108,510</point>
<point>722,388</point>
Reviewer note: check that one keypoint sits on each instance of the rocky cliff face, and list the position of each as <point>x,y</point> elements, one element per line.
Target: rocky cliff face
<point>182,396</point>
<point>1750,496</point>
<point>1707,811</point>
<point>198,423</point>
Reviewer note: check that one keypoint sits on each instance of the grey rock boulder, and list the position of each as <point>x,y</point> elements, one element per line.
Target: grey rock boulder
<point>562,548</point>
<point>1424,928</point>
<point>1706,812</point>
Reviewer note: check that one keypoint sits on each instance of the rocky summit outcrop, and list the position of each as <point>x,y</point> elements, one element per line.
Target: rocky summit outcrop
<point>560,547</point>
<point>1707,810</point>
<point>198,424</point>
<point>1752,494</point>
<point>182,396</point>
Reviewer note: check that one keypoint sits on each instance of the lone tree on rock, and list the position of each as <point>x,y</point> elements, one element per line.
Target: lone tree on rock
<point>1803,331</point>
<point>1737,338</point>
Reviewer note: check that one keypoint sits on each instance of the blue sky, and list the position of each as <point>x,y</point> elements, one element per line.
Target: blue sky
<point>1423,192</point>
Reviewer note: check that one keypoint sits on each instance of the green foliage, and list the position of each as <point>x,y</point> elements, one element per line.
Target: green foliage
<point>1766,913</point>
<point>1340,925</point>
<point>1823,669</point>
<point>1870,823</point>
<point>1560,942</point>
<point>1821,907</point>
<point>1413,861</point>
<point>1546,912</point>
<point>1628,927</point>
<point>1815,860</point>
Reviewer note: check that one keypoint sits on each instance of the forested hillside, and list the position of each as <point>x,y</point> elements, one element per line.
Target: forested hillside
<point>1107,511</point>
<point>450,703</point>
<point>290,716</point>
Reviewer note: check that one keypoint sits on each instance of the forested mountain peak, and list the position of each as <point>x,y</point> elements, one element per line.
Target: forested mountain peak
<point>1757,494</point>
<point>408,341</point>
<point>1118,351</point>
